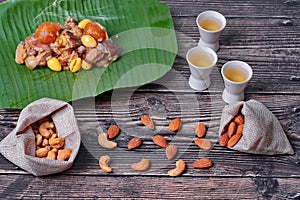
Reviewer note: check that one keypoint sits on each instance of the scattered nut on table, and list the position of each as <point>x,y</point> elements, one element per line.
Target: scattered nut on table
<point>104,164</point>
<point>105,143</point>
<point>178,170</point>
<point>142,165</point>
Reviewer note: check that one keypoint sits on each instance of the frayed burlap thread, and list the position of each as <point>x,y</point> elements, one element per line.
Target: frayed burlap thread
<point>262,133</point>
<point>19,146</point>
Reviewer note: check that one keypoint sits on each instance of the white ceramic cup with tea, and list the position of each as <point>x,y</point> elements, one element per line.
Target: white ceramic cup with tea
<point>236,75</point>
<point>210,24</point>
<point>201,61</point>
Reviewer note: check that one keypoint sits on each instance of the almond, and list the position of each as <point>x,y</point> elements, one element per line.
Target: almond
<point>223,140</point>
<point>239,119</point>
<point>160,141</point>
<point>239,129</point>
<point>202,163</point>
<point>175,125</point>
<point>113,131</point>
<point>234,140</point>
<point>134,143</point>
<point>200,130</point>
<point>171,151</point>
<point>232,129</point>
<point>203,143</point>
<point>147,121</point>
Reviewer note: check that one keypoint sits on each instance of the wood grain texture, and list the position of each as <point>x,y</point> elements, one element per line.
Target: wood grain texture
<point>93,187</point>
<point>266,34</point>
<point>164,107</point>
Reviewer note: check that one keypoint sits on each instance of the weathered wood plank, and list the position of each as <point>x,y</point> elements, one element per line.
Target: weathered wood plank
<point>96,187</point>
<point>271,49</point>
<point>252,8</point>
<point>95,115</point>
<point>263,33</point>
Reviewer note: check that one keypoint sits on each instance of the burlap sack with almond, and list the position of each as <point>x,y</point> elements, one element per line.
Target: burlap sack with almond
<point>262,132</point>
<point>19,146</point>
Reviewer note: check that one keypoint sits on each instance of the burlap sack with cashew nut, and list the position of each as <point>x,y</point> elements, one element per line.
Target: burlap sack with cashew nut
<point>19,146</point>
<point>262,133</point>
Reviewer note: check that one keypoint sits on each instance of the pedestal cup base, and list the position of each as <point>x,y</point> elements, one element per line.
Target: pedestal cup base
<point>232,98</point>
<point>213,46</point>
<point>199,84</point>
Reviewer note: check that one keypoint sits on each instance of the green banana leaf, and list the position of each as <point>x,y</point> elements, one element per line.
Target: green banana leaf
<point>143,29</point>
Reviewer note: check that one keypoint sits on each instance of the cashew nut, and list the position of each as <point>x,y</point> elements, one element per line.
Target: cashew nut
<point>39,139</point>
<point>64,154</point>
<point>105,143</point>
<point>143,165</point>
<point>41,152</point>
<point>45,142</point>
<point>57,142</point>
<point>104,162</point>
<point>44,129</point>
<point>180,167</point>
<point>51,155</point>
<point>54,150</point>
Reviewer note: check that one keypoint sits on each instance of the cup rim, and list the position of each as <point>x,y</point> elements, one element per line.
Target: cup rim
<point>246,65</point>
<point>205,49</point>
<point>223,19</point>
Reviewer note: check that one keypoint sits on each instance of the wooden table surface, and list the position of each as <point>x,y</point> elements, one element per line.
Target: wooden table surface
<point>265,34</point>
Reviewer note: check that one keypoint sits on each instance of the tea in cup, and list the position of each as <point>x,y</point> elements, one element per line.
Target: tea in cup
<point>210,25</point>
<point>236,75</point>
<point>201,61</point>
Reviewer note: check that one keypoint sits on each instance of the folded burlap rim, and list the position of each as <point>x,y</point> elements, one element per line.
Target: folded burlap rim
<point>262,133</point>
<point>19,146</point>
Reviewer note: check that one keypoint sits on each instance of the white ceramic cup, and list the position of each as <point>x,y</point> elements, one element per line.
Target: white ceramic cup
<point>234,89</point>
<point>210,37</point>
<point>200,75</point>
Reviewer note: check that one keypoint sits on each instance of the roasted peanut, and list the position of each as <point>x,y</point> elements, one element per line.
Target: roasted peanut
<point>51,155</point>
<point>83,22</point>
<point>57,142</point>
<point>85,65</point>
<point>88,41</point>
<point>62,40</point>
<point>64,154</point>
<point>104,164</point>
<point>75,65</point>
<point>41,152</point>
<point>54,64</point>
<point>44,129</point>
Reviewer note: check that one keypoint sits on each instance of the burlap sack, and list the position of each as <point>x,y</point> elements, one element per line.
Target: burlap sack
<point>19,146</point>
<point>262,133</point>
